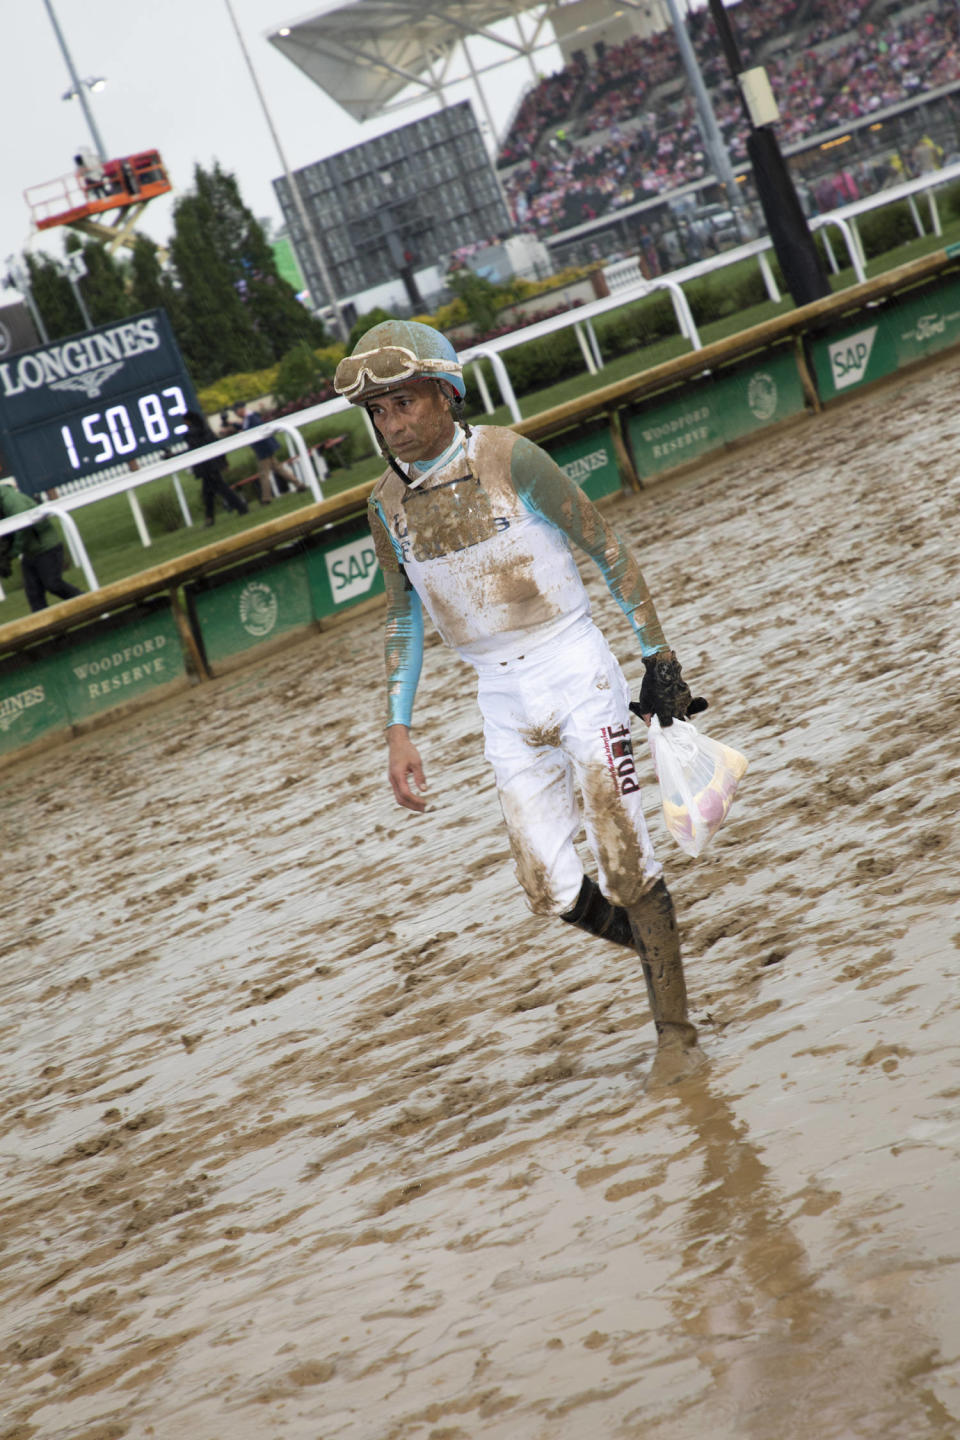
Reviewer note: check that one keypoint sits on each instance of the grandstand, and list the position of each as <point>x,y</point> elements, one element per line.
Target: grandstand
<point>605,155</point>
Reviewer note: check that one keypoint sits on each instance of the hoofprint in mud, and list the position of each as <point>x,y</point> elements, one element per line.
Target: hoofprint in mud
<point>310,1128</point>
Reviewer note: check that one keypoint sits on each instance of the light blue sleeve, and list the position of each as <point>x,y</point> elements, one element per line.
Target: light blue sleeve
<point>403,640</point>
<point>403,648</point>
<point>548,492</point>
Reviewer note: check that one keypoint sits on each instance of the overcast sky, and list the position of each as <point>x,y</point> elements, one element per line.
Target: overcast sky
<point>177,82</point>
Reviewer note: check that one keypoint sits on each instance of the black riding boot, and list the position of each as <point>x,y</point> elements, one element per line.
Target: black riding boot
<point>654,926</point>
<point>594,913</point>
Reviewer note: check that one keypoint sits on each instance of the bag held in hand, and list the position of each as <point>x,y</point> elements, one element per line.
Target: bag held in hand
<point>698,780</point>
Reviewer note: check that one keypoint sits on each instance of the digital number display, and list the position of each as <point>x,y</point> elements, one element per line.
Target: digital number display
<point>122,430</point>
<point>92,402</point>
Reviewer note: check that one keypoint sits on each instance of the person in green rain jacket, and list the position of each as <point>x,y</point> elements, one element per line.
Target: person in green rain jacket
<point>40,550</point>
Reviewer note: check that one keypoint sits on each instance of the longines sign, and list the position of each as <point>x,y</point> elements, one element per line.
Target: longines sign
<point>98,401</point>
<point>83,364</point>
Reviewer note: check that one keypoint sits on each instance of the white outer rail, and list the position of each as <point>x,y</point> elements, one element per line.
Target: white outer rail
<point>28,518</point>
<point>128,484</point>
<point>581,315</point>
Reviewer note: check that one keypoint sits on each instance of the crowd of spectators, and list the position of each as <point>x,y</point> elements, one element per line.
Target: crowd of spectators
<point>875,68</point>
<point>593,179</point>
<point>589,141</point>
<point>548,103</point>
<point>835,17</point>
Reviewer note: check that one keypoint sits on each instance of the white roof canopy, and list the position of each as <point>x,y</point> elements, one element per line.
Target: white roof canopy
<point>366,54</point>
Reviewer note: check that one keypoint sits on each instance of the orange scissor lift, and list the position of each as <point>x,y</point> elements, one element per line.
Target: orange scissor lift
<point>106,204</point>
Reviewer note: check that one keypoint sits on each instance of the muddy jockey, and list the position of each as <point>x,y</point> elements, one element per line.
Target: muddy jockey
<point>475,525</point>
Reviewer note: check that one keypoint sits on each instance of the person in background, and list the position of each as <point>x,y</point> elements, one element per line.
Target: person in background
<point>264,452</point>
<point>926,156</point>
<point>40,550</point>
<point>90,174</point>
<point>210,472</point>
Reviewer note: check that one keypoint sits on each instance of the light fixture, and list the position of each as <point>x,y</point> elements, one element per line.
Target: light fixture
<point>92,83</point>
<point>284,30</point>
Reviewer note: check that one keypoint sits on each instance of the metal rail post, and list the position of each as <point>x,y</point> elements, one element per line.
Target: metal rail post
<point>503,379</point>
<point>28,518</point>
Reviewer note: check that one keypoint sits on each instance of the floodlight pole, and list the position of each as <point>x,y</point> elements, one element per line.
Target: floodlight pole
<point>712,139</point>
<point>75,267</point>
<point>315,250</point>
<point>78,84</point>
<point>786,223</point>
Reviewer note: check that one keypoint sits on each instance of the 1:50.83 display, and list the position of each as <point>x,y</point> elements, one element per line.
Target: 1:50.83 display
<point>117,434</point>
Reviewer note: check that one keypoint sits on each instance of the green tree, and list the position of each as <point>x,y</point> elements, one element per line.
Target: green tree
<point>104,287</point>
<point>278,314</point>
<point>53,296</point>
<point>481,298</point>
<point>237,313</point>
<point>150,287</point>
<point>215,332</point>
<point>298,373</point>
<point>240,240</point>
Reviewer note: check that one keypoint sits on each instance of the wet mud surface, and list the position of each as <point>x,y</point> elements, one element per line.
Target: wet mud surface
<point>310,1129</point>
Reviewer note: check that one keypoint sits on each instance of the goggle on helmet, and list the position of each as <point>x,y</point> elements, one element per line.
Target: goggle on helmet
<point>360,376</point>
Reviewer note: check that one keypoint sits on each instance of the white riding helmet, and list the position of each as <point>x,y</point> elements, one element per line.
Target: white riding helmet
<point>393,352</point>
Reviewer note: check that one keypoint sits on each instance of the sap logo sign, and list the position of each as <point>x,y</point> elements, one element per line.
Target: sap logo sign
<point>351,569</point>
<point>849,358</point>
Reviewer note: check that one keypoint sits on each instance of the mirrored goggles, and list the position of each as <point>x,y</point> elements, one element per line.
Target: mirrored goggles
<point>390,365</point>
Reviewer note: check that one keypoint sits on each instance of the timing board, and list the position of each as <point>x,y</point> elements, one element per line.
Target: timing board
<point>93,402</point>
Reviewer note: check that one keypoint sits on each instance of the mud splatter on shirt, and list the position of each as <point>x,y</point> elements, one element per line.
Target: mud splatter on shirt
<point>485,544</point>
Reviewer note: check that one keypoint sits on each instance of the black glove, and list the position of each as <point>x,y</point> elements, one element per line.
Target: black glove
<point>664,691</point>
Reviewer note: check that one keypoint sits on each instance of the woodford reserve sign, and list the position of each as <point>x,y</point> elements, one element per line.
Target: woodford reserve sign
<point>50,688</point>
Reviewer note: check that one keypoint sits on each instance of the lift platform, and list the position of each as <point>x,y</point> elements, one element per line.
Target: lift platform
<point>105,202</point>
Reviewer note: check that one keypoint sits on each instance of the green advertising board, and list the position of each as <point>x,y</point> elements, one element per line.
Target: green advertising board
<point>250,605</point>
<point>343,570</point>
<point>590,459</point>
<point>897,334</point>
<point>696,418</point>
<point>102,669</point>
<point>31,704</point>
<point>63,683</point>
<point>288,267</point>
<point>244,607</point>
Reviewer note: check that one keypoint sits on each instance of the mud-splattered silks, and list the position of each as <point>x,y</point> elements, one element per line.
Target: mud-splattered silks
<point>485,546</point>
<point>546,741</point>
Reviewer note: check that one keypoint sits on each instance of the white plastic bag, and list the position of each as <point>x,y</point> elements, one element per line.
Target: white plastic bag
<point>698,780</point>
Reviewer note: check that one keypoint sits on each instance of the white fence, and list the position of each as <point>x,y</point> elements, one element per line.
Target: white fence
<point>28,518</point>
<point>628,284</point>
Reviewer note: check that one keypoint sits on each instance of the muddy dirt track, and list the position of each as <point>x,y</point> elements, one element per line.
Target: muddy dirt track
<point>310,1130</point>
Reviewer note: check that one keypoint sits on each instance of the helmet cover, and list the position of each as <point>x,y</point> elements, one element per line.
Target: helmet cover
<point>399,351</point>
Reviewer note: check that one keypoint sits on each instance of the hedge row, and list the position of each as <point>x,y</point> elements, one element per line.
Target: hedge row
<point>547,362</point>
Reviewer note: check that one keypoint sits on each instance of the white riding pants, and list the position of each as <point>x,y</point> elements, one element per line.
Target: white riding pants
<point>556,722</point>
